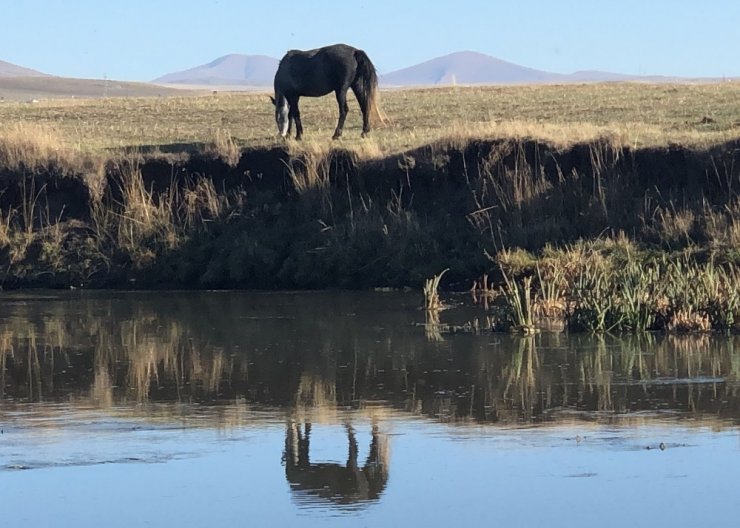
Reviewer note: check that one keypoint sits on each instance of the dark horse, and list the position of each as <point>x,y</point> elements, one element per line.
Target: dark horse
<point>317,72</point>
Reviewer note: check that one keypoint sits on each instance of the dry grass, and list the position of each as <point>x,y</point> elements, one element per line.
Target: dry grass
<point>223,145</point>
<point>33,145</point>
<point>431,292</point>
<point>309,171</point>
<point>632,114</point>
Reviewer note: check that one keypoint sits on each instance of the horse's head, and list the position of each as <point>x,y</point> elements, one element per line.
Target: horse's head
<point>281,114</point>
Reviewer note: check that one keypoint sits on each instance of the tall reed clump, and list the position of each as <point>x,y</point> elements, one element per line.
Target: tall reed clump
<point>614,294</point>
<point>520,313</point>
<point>138,225</point>
<point>611,286</point>
<point>143,222</point>
<point>702,297</point>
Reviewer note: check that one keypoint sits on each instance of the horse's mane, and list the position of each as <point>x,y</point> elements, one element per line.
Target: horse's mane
<point>304,53</point>
<point>289,54</point>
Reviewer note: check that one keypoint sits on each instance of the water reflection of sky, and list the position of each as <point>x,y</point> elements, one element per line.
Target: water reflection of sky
<point>440,475</point>
<point>186,409</point>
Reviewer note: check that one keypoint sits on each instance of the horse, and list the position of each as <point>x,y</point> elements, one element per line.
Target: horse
<point>318,72</point>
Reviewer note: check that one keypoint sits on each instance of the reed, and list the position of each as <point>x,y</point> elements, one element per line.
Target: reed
<point>639,289</point>
<point>520,314</point>
<point>550,299</point>
<point>608,286</point>
<point>431,292</point>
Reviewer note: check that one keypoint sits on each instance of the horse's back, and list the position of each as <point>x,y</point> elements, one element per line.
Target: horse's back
<point>335,50</point>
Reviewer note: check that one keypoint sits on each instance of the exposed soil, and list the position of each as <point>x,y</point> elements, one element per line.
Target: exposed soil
<point>365,223</point>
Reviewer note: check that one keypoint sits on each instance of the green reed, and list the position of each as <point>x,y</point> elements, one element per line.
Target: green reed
<point>595,306</point>
<point>520,313</point>
<point>611,288</point>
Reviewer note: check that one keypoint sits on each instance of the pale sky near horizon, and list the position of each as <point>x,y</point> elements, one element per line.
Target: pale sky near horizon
<point>144,39</point>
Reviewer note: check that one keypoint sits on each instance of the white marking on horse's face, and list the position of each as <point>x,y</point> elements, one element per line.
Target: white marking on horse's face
<point>281,116</point>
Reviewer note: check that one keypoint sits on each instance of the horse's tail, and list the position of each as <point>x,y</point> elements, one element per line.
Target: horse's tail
<point>368,86</point>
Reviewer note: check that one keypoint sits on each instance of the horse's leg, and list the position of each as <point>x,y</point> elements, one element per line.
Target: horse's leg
<point>352,444</point>
<point>298,124</point>
<point>295,115</point>
<point>304,443</point>
<point>343,109</point>
<point>362,100</point>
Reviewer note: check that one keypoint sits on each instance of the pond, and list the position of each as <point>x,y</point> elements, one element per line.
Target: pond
<point>347,408</point>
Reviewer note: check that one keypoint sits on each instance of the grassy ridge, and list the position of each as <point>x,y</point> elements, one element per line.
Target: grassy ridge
<point>630,114</point>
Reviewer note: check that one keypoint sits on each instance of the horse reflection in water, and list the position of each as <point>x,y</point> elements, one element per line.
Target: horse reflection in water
<point>349,484</point>
<point>346,484</point>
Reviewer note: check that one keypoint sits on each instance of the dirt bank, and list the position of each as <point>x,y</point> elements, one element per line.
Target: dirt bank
<point>276,220</point>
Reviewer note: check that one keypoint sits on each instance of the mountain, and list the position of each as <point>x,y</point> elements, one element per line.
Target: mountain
<point>229,70</point>
<point>463,67</point>
<point>11,70</point>
<point>470,67</point>
<point>49,87</point>
<point>467,67</point>
<point>22,84</point>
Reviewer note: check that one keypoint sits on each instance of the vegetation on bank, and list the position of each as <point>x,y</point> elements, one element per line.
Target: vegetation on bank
<point>612,285</point>
<point>611,206</point>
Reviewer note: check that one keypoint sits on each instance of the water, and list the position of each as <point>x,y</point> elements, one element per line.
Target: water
<point>337,409</point>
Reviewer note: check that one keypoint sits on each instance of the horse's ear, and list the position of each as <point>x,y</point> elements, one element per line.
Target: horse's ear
<point>273,100</point>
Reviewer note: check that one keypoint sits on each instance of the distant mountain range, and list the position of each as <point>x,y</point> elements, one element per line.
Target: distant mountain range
<point>463,67</point>
<point>237,71</point>
<point>234,69</point>
<point>470,67</point>
<point>11,70</point>
<point>50,87</point>
<point>19,83</point>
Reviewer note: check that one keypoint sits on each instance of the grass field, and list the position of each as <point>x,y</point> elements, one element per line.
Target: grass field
<point>632,114</point>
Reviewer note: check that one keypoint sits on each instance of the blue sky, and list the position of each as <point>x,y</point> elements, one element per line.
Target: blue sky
<point>143,39</point>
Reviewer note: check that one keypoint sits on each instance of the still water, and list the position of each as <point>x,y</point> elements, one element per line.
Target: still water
<point>349,409</point>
